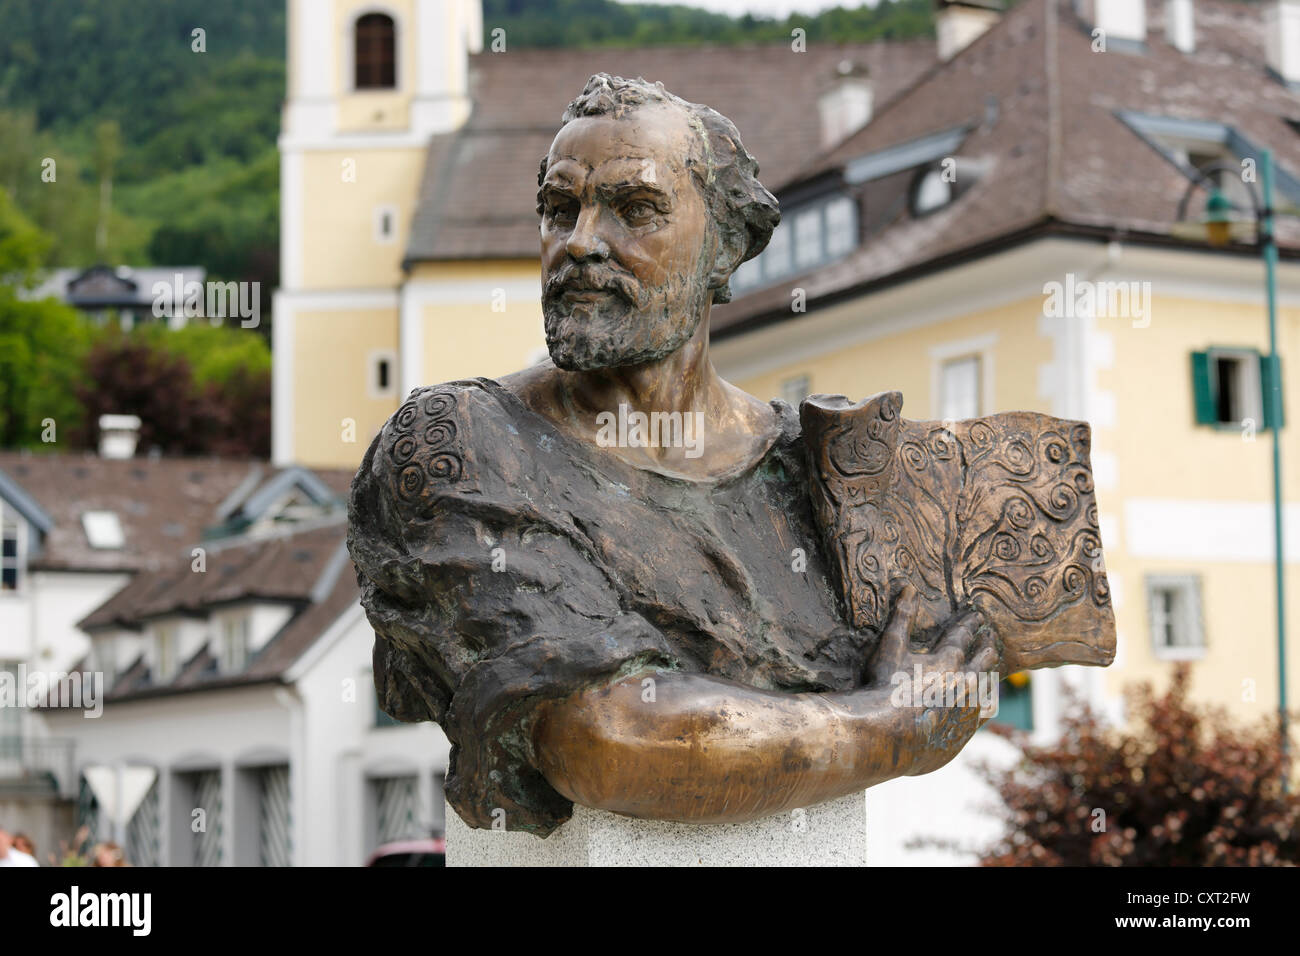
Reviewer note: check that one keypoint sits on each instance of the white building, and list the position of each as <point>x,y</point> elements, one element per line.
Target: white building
<point>208,613</point>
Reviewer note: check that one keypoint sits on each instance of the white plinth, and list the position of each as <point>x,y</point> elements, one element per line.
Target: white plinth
<point>829,834</point>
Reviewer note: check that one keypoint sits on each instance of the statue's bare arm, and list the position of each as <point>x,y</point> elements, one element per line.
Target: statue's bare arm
<point>708,750</point>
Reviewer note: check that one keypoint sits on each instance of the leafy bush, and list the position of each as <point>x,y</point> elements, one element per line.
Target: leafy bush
<point>1182,786</point>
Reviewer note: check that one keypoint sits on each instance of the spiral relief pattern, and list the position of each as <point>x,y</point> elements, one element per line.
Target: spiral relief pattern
<point>421,444</point>
<point>998,512</point>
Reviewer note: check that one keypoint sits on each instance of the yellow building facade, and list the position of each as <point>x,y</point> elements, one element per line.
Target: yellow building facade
<point>1185,507</point>
<point>1179,502</point>
<point>353,150</point>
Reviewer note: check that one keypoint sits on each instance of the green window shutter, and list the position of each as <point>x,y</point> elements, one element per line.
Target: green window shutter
<point>1270,371</point>
<point>1203,389</point>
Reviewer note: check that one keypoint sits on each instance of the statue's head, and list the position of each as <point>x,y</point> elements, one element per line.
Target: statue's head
<point>648,204</point>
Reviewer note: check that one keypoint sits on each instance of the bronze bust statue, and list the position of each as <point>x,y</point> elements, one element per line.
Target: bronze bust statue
<point>709,627</point>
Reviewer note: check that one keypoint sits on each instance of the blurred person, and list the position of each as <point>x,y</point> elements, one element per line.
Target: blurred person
<point>24,844</point>
<point>11,856</point>
<point>108,854</point>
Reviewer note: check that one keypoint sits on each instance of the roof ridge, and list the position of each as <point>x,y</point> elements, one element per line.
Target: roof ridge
<point>1051,69</point>
<point>931,73</point>
<point>783,44</point>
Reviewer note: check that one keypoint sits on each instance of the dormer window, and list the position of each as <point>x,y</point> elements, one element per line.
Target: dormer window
<point>234,644</point>
<point>165,654</point>
<point>105,655</point>
<point>103,530</point>
<point>813,235</point>
<point>932,191</point>
<point>1209,152</point>
<point>375,52</point>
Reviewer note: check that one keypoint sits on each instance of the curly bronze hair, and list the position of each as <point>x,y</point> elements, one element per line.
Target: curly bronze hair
<point>724,171</point>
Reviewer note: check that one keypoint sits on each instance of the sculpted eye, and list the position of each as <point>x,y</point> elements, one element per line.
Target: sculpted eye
<point>559,209</point>
<point>638,212</point>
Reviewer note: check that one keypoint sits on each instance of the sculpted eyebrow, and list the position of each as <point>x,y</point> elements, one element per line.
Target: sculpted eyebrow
<point>609,191</point>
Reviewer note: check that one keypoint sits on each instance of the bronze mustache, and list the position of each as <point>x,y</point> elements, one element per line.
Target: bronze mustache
<point>578,278</point>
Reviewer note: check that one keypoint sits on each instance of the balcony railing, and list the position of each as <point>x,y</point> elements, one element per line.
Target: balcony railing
<point>37,765</point>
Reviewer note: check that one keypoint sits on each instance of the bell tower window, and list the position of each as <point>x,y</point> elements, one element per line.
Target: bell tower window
<point>376,63</point>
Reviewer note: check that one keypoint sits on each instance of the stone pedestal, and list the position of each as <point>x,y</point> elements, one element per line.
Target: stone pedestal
<point>829,834</point>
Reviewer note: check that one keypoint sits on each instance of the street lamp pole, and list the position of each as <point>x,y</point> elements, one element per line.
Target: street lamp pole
<point>1218,223</point>
<point>1268,241</point>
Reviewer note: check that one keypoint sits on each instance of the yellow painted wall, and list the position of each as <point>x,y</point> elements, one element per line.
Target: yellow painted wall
<point>372,110</point>
<point>1157,435</point>
<point>472,338</point>
<point>902,361</point>
<point>1161,453</point>
<point>331,367</point>
<point>339,246</point>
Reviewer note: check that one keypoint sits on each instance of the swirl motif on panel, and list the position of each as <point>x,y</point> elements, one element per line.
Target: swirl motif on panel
<point>996,513</point>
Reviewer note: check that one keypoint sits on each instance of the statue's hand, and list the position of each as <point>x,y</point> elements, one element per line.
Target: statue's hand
<point>954,690</point>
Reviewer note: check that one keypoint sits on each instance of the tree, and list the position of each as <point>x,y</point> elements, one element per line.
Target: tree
<point>131,374</point>
<point>41,343</point>
<point>126,376</point>
<point>1184,786</point>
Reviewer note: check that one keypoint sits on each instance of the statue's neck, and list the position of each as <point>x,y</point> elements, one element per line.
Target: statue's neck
<point>684,381</point>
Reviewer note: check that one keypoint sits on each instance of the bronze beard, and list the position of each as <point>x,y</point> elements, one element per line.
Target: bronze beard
<point>633,326</point>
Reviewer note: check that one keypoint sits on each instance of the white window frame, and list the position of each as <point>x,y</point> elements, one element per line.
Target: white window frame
<point>1191,617</point>
<point>11,718</point>
<point>106,659</point>
<point>850,228</point>
<point>809,239</point>
<point>748,275</point>
<point>349,46</point>
<point>19,561</point>
<point>778,256</point>
<point>981,347</point>
<point>1250,396</point>
<point>227,627</point>
<point>932,175</point>
<point>372,373</point>
<point>103,521</point>
<point>166,647</point>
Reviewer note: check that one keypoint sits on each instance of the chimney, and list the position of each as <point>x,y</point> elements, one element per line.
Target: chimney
<point>1118,20</point>
<point>846,105</point>
<point>1180,25</point>
<point>959,23</point>
<point>1282,48</point>
<point>118,435</point>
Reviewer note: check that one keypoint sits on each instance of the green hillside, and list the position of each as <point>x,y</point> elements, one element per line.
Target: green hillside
<point>162,140</point>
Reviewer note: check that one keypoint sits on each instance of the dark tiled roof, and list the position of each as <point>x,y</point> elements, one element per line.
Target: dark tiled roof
<point>285,567</point>
<point>163,504</point>
<point>306,627</point>
<point>322,589</point>
<point>1041,107</point>
<point>479,191</point>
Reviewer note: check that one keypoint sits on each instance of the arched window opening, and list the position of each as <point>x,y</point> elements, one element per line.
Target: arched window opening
<point>376,65</point>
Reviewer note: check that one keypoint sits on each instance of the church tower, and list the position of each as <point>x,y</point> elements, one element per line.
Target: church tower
<point>369,84</point>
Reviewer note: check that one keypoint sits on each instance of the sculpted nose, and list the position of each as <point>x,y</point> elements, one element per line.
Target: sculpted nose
<point>586,242</point>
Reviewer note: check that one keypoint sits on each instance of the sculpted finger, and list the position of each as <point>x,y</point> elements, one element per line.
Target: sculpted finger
<point>985,658</point>
<point>893,642</point>
<point>962,635</point>
<point>946,659</point>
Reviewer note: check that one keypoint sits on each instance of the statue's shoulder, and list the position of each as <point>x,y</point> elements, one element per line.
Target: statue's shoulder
<point>446,439</point>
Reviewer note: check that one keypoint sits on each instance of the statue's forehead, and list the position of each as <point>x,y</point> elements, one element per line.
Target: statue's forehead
<point>651,145</point>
